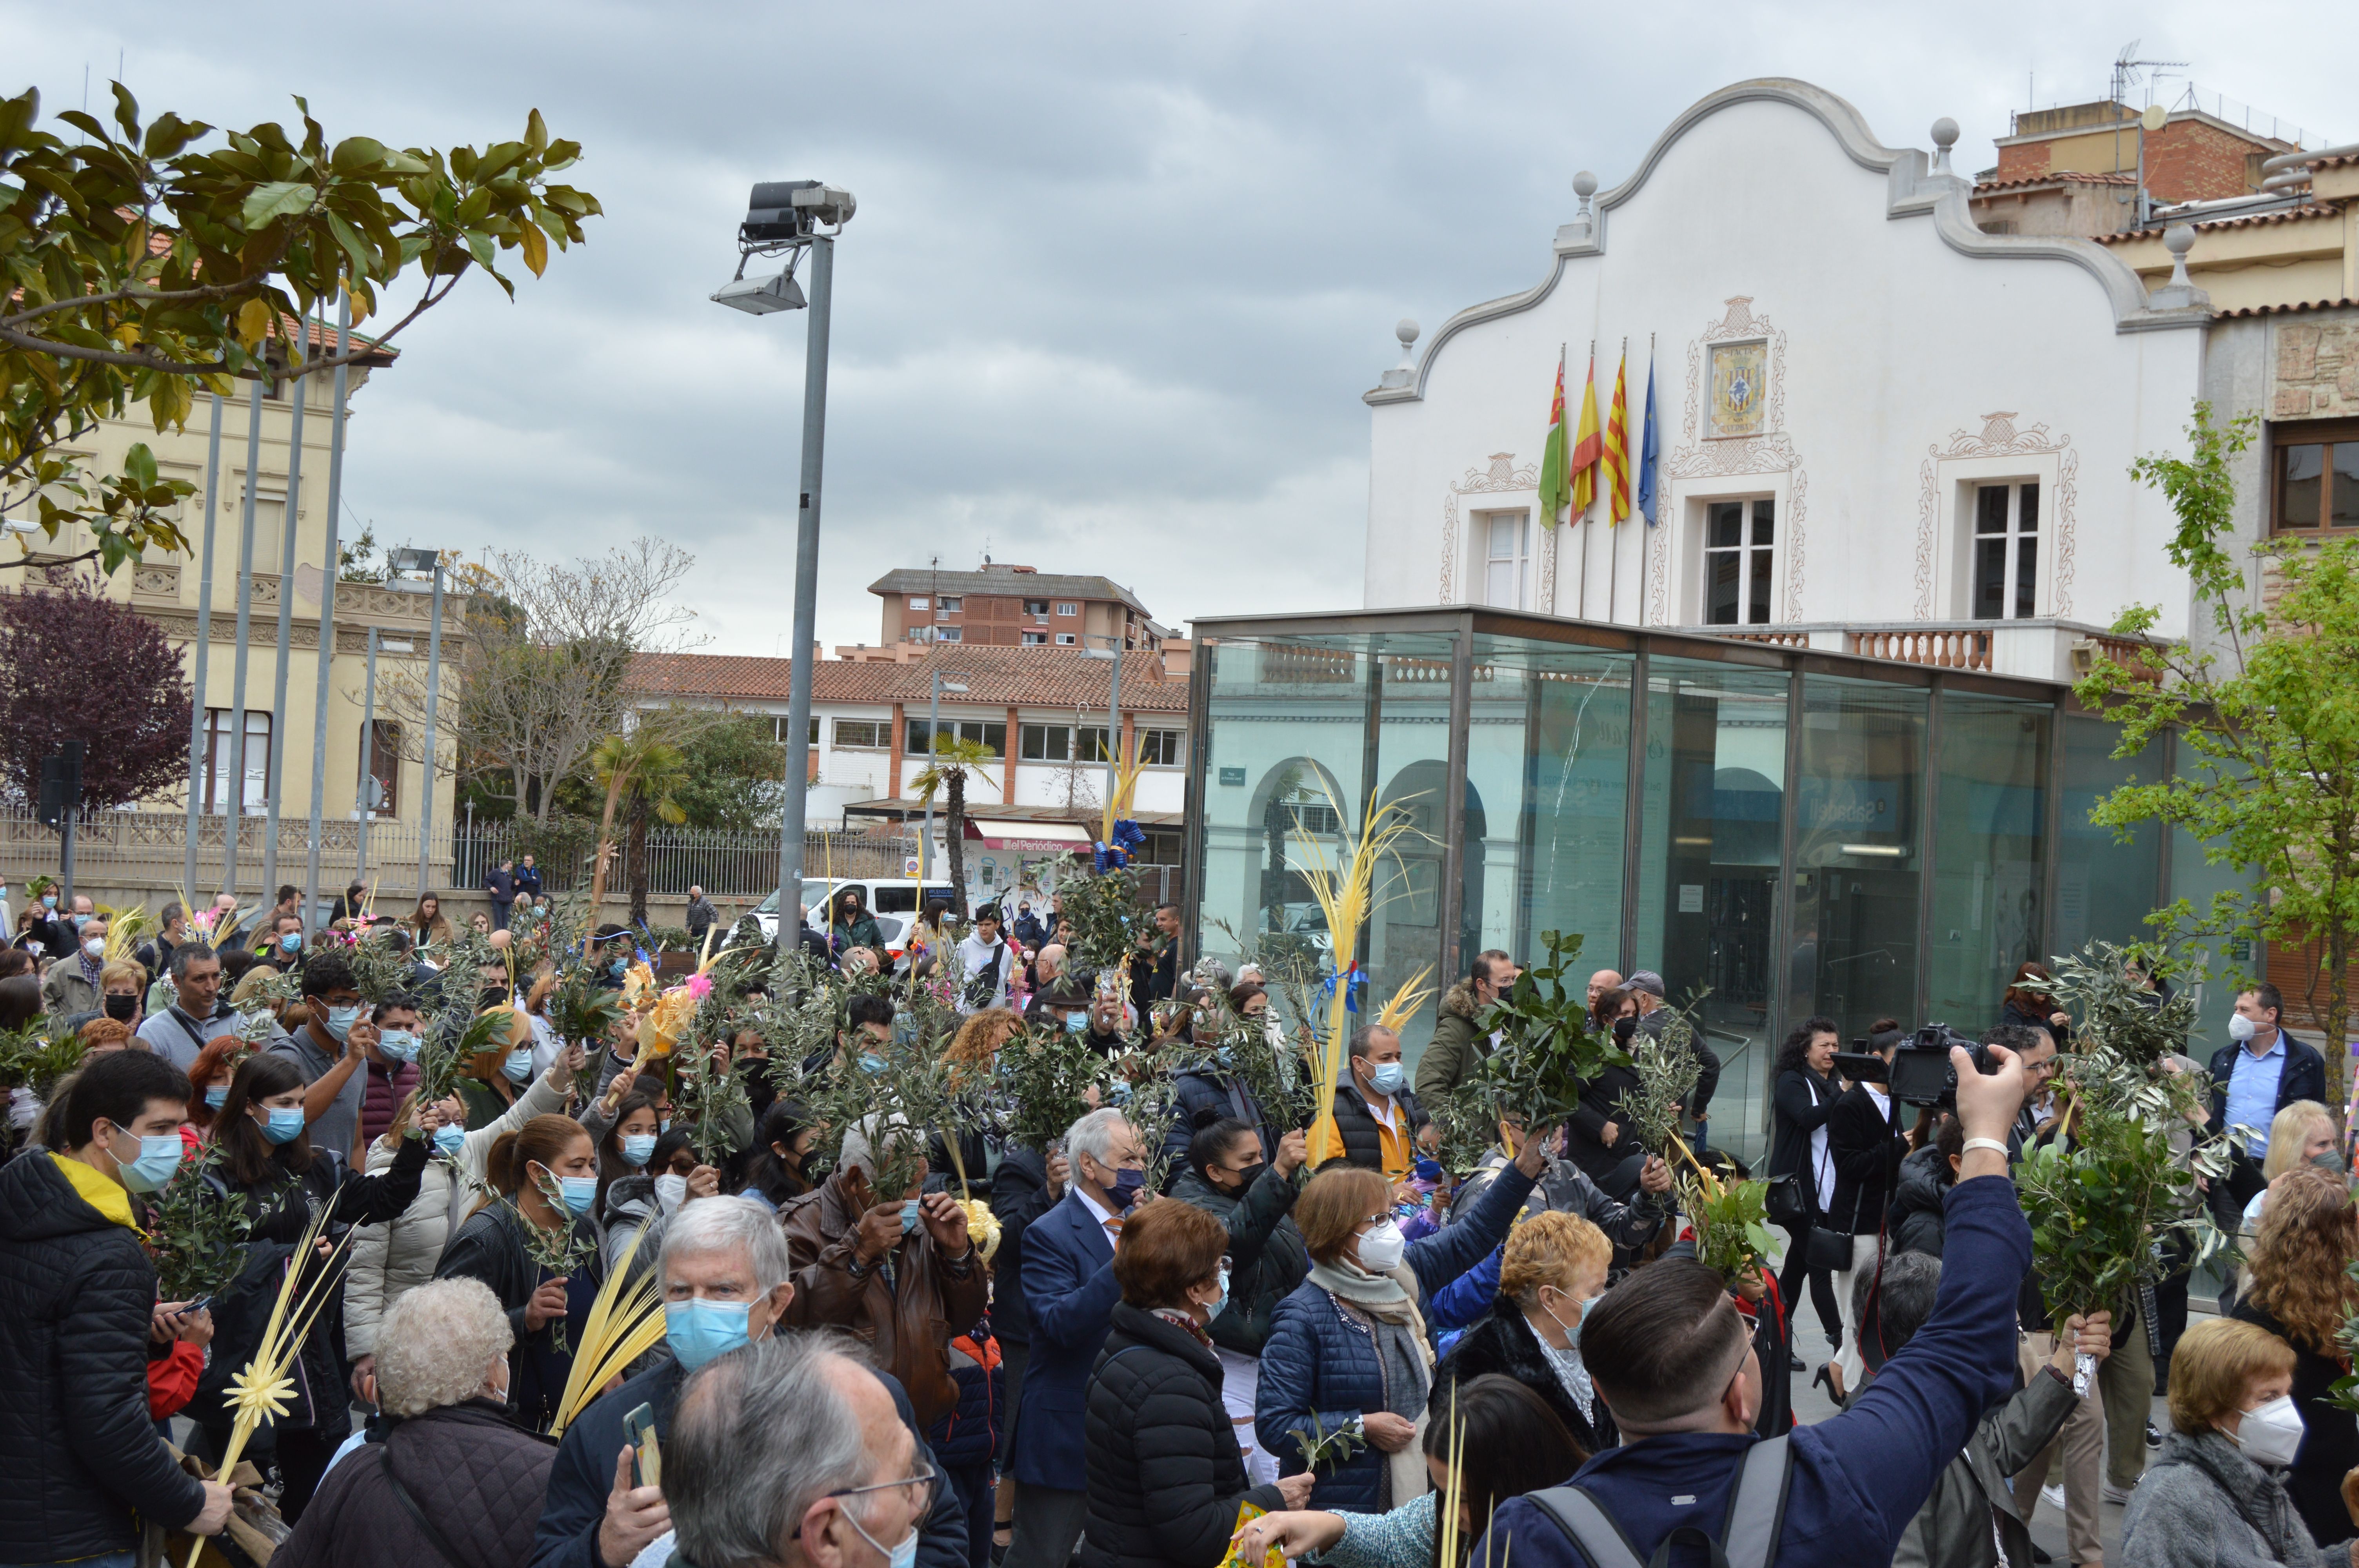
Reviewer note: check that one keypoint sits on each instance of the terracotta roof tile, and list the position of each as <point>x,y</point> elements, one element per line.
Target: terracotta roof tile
<point>995,677</point>
<point>2250,220</point>
<point>2289,307</point>
<point>2057,177</point>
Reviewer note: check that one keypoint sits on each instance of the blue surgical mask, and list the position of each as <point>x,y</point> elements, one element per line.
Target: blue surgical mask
<point>902,1556</point>
<point>518,1068</point>
<point>1220,1305</point>
<point>697,1331</point>
<point>285,1124</point>
<point>292,942</point>
<point>341,1021</point>
<point>450,1141</point>
<point>1387,1078</point>
<point>158,1158</point>
<point>397,1045</point>
<point>1077,1022</point>
<point>217,1095</point>
<point>49,900</point>
<point>579,1192</point>
<point>870,1062</point>
<point>908,1216</point>
<point>619,968</point>
<point>636,1148</point>
<point>1127,1185</point>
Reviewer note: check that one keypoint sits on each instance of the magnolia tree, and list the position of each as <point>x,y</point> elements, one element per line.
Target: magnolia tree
<point>2268,728</point>
<point>137,266</point>
<point>86,667</point>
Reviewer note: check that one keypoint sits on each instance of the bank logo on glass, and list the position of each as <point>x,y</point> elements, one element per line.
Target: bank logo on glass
<point>1740,381</point>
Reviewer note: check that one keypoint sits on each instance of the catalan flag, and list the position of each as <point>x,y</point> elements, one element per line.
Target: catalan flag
<point>1555,484</point>
<point>1588,447</point>
<point>1617,447</point>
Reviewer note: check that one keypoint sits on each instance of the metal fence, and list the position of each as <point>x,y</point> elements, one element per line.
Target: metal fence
<point>148,850</point>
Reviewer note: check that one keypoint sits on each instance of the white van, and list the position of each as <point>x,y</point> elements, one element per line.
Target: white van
<point>895,902</point>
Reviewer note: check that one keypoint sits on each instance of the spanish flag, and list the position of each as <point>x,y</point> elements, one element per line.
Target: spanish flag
<point>1588,447</point>
<point>1556,486</point>
<point>1617,447</point>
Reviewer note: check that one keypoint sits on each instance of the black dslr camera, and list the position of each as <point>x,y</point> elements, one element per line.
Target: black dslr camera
<point>1920,1073</point>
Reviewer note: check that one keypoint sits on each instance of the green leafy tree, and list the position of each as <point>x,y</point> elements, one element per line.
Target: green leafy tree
<point>634,768</point>
<point>736,776</point>
<point>136,269</point>
<point>2268,727</point>
<point>955,755</point>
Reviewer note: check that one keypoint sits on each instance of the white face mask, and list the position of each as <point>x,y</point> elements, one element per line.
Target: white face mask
<point>2240,1028</point>
<point>671,1188</point>
<point>1381,1249</point>
<point>2270,1432</point>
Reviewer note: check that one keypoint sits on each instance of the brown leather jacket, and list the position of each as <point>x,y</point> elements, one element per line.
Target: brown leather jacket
<point>908,1324</point>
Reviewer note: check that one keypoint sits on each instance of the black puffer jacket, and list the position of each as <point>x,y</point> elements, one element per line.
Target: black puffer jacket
<point>477,1476</point>
<point>1915,1218</point>
<point>490,1248</point>
<point>1362,1145</point>
<point>80,1453</point>
<point>1266,1257</point>
<point>1164,1474</point>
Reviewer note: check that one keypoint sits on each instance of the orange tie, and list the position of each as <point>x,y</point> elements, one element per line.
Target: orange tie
<point>1114,1228</point>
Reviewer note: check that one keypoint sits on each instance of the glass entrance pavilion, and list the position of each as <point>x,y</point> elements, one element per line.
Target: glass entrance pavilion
<point>1788,832</point>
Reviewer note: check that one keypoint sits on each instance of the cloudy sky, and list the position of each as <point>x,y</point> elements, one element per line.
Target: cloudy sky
<point>1119,272</point>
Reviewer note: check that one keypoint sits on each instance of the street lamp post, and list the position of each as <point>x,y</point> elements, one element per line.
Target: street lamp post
<point>367,792</point>
<point>933,727</point>
<point>275,771</point>
<point>418,561</point>
<point>327,658</point>
<point>791,218</point>
<point>198,727</point>
<point>233,808</point>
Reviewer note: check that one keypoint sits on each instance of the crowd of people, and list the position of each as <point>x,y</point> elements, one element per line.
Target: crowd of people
<point>1185,1329</point>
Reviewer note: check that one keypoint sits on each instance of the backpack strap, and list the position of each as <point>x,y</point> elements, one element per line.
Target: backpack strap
<point>1593,1530</point>
<point>1756,1505</point>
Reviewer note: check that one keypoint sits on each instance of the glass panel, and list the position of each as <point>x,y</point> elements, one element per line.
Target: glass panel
<point>2299,471</point>
<point>1756,587</point>
<point>2027,577</point>
<point>1990,509</point>
<point>2343,499</point>
<point>1708,881</point>
<point>1856,852</point>
<point>1550,733</point>
<point>2105,888</point>
<point>1727,524</point>
<point>2197,880</point>
<point>1989,843</point>
<point>2027,520</point>
<point>1720,585</point>
<point>1405,933</point>
<point>1990,577</point>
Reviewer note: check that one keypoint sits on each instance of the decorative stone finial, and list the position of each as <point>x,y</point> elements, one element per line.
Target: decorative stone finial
<point>2179,239</point>
<point>1405,372</point>
<point>1945,136</point>
<point>1584,185</point>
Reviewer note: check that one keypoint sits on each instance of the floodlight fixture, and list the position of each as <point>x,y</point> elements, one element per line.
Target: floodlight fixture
<point>761,296</point>
<point>406,559</point>
<point>786,211</point>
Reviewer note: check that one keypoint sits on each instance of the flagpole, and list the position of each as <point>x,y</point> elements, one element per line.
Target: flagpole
<point>1645,519</point>
<point>1614,547</point>
<point>1580,612</point>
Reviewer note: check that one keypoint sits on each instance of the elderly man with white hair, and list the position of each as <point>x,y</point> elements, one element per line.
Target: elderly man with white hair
<point>726,1284</point>
<point>1069,1288</point>
<point>454,1479</point>
<point>896,1267</point>
<point>786,1455</point>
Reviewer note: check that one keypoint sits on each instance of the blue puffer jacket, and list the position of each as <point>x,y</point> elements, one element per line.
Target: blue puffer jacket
<point>969,1435</point>
<point>1317,1360</point>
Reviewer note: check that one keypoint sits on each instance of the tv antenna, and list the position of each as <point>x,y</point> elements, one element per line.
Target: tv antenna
<point>2128,72</point>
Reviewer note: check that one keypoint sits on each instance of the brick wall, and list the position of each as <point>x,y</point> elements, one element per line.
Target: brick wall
<point>2026,160</point>
<point>2188,161</point>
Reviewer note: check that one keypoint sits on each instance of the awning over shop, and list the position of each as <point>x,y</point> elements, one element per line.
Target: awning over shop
<point>1040,838</point>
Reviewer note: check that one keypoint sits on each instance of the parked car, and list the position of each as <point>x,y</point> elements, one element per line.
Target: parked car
<point>884,896</point>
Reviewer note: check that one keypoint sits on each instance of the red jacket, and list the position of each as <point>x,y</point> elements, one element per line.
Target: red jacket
<point>172,1380</point>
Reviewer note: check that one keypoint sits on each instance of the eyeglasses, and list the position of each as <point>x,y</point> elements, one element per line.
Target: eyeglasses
<point>924,1481</point>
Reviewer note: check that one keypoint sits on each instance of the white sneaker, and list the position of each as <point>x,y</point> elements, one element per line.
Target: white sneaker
<point>2053,1496</point>
<point>2114,1494</point>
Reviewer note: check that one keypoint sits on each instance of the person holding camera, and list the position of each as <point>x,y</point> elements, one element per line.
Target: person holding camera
<point>1865,1136</point>
<point>1804,1097</point>
<point>1671,1354</point>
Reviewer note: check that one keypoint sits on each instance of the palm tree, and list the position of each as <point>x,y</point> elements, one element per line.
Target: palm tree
<point>652,771</point>
<point>953,755</point>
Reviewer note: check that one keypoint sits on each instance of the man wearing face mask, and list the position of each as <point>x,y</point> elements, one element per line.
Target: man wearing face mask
<point>72,983</point>
<point>391,1070</point>
<point>727,1282</point>
<point>1070,1291</point>
<point>897,1269</point>
<point>328,1050</point>
<point>2258,1074</point>
<point>77,1300</point>
<point>1376,1114</point>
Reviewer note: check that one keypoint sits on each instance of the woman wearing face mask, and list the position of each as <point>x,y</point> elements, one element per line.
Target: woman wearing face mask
<point>493,1078</point>
<point>850,926</point>
<point>784,1164</point>
<point>1165,1472</point>
<point>1226,1177</point>
<point>389,1260</point>
<point>120,987</point>
<point>1351,1340</point>
<point>2295,1289</point>
<point>543,1175</point>
<point>1554,1269</point>
<point>1508,1442</point>
<point>2213,1497</point>
<point>625,1204</point>
<point>210,1076</point>
<point>2301,1134</point>
<point>268,1160</point>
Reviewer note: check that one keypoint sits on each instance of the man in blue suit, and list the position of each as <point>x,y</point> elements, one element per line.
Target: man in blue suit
<point>1068,1286</point>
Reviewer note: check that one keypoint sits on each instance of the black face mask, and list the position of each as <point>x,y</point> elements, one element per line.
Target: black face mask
<point>1248,1177</point>
<point>122,1006</point>
<point>494,996</point>
<point>812,1167</point>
